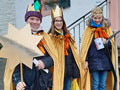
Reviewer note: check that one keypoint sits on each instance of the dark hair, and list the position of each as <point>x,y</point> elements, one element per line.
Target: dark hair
<point>52,28</point>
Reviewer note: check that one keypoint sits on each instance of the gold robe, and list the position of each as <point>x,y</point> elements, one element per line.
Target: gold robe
<point>59,45</point>
<point>8,85</point>
<point>85,44</point>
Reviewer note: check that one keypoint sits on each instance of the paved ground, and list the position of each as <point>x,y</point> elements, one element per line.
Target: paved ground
<point>2,66</point>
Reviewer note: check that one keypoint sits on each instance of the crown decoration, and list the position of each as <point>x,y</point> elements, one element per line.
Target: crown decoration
<point>34,7</point>
<point>97,11</point>
<point>57,12</point>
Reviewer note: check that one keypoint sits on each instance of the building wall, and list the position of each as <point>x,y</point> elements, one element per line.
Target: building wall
<point>77,9</point>
<point>13,11</point>
<point>7,14</point>
<point>114,15</point>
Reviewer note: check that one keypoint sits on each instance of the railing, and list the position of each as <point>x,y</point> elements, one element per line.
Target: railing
<point>76,28</point>
<point>114,68</point>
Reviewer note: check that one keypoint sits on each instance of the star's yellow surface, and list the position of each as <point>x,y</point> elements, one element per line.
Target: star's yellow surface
<point>20,46</point>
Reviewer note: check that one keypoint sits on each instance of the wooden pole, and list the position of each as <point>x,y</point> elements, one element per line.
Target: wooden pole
<point>21,72</point>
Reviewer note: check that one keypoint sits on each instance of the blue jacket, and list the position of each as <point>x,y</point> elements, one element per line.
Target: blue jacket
<point>97,59</point>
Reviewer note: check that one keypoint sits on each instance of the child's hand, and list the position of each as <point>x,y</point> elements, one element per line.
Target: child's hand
<point>40,64</point>
<point>103,40</point>
<point>20,86</point>
<point>86,65</point>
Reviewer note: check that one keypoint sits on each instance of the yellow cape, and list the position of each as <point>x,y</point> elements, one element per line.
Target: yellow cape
<point>8,85</point>
<point>59,45</point>
<point>85,44</point>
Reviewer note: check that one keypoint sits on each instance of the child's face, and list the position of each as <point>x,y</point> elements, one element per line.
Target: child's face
<point>34,22</point>
<point>58,23</point>
<point>97,19</point>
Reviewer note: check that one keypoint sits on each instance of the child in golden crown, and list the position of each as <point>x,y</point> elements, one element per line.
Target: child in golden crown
<point>68,60</point>
<point>93,54</point>
<point>39,77</point>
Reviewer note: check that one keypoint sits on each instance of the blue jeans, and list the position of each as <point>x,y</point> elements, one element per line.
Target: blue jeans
<point>67,83</point>
<point>99,80</point>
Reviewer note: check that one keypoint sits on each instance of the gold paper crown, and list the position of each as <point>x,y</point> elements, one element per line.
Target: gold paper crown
<point>31,8</point>
<point>57,12</point>
<point>97,11</point>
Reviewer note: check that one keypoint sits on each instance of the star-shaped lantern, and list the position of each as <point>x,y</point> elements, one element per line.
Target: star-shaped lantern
<point>20,46</point>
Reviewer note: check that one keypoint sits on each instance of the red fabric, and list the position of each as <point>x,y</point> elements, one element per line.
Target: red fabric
<point>100,33</point>
<point>40,45</point>
<point>66,43</point>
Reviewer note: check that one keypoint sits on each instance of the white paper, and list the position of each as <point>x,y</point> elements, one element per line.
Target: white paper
<point>99,43</point>
<point>46,70</point>
<point>35,61</point>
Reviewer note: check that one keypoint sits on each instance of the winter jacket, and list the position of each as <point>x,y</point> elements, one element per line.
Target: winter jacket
<point>98,59</point>
<point>71,68</point>
<point>29,74</point>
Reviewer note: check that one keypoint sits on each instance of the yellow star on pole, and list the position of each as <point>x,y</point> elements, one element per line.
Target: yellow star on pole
<point>20,46</point>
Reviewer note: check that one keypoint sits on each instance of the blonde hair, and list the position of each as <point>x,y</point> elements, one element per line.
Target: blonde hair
<point>98,11</point>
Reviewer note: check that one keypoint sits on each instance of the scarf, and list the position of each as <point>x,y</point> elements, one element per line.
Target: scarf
<point>66,41</point>
<point>99,32</point>
<point>41,43</point>
<point>93,24</point>
<point>40,46</point>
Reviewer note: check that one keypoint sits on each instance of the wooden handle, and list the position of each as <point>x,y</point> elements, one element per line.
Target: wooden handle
<point>21,72</point>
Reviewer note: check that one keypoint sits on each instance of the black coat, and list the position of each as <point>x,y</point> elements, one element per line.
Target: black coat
<point>29,75</point>
<point>98,59</point>
<point>71,68</point>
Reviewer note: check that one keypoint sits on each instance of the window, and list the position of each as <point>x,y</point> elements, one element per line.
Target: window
<point>46,4</point>
<point>64,3</point>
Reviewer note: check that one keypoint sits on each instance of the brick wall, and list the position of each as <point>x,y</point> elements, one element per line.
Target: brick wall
<point>7,14</point>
